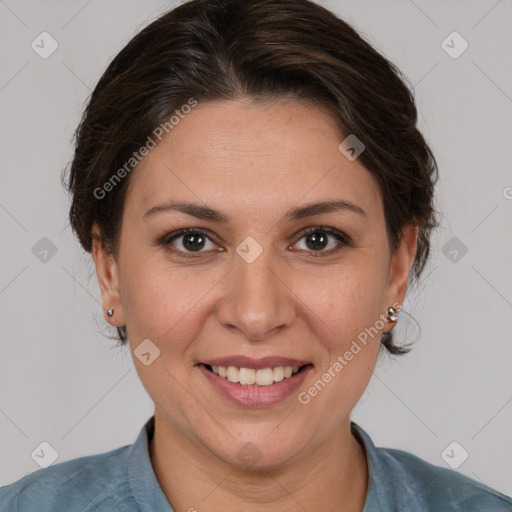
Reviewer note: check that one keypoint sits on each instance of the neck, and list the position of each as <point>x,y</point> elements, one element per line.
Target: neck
<point>331,477</point>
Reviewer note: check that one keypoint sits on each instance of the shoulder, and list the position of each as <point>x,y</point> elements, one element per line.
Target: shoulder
<point>399,480</point>
<point>95,482</point>
<point>441,488</point>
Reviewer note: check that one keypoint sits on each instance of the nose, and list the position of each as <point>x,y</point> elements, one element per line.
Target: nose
<point>256,300</point>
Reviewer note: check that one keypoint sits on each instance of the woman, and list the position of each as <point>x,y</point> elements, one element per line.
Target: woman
<point>250,181</point>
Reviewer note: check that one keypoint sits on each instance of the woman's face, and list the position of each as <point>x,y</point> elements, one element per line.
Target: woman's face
<point>252,284</point>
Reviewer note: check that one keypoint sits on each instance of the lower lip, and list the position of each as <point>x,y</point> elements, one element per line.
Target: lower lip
<point>255,396</point>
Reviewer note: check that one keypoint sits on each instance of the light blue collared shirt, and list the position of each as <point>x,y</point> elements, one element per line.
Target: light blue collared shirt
<point>123,480</point>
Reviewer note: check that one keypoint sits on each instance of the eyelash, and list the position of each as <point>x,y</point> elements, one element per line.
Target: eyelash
<point>341,237</point>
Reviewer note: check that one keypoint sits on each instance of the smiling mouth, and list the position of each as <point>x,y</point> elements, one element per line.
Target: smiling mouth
<point>252,377</point>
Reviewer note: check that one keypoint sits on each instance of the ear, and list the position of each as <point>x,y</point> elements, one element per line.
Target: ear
<point>108,279</point>
<point>400,267</point>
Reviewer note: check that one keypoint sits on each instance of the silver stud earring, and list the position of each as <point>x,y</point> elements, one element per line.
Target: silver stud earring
<point>110,312</point>
<point>392,314</point>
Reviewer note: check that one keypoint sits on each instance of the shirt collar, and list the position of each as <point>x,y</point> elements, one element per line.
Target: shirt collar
<point>143,482</point>
<point>380,494</point>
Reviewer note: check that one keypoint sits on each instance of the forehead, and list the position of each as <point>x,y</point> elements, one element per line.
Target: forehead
<point>236,155</point>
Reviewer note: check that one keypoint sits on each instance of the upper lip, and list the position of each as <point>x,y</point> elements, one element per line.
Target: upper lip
<point>256,364</point>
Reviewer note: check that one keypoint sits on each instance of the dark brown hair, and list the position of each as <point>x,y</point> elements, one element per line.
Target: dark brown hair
<point>264,50</point>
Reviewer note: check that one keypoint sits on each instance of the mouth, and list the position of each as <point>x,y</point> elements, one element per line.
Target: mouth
<point>256,383</point>
<point>250,382</point>
<point>255,377</point>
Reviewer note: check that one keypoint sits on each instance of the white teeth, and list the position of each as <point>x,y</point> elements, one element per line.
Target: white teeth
<point>233,374</point>
<point>264,377</point>
<point>278,374</point>
<point>249,376</point>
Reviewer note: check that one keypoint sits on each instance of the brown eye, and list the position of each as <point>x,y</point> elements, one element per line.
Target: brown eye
<point>317,239</point>
<point>187,241</point>
<point>193,241</point>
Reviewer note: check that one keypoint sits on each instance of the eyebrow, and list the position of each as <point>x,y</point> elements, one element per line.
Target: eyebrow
<point>297,213</point>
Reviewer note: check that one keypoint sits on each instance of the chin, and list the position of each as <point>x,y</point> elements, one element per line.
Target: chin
<point>259,451</point>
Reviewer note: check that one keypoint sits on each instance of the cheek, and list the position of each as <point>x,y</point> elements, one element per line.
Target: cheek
<point>349,326</point>
<point>345,303</point>
<point>163,303</point>
<point>167,307</point>
<point>342,313</point>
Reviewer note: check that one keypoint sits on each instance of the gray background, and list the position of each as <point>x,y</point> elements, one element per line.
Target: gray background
<point>61,382</point>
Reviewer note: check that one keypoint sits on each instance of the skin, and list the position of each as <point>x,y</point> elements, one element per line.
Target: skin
<point>254,162</point>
